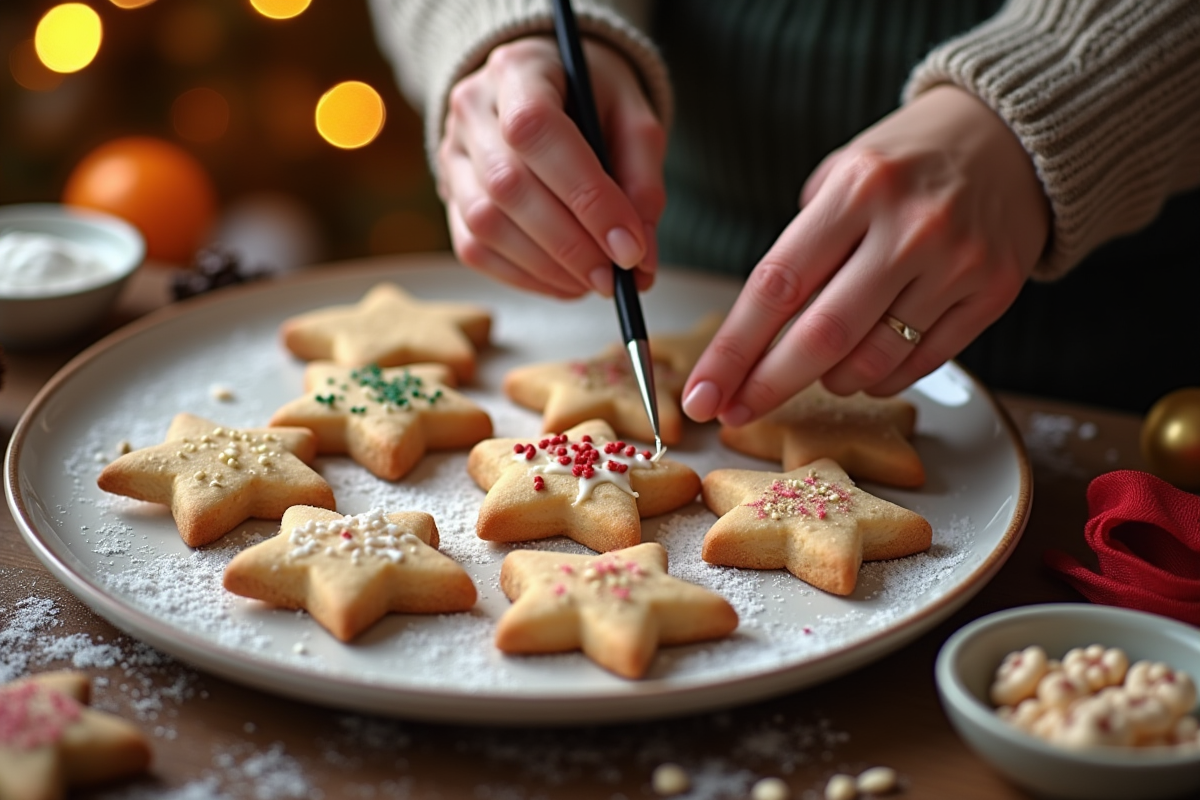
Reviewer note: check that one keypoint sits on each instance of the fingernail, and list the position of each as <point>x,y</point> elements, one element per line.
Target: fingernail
<point>625,249</point>
<point>702,401</point>
<point>738,415</point>
<point>601,279</point>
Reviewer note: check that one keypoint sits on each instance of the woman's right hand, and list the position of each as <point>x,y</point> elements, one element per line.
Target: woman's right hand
<point>527,200</point>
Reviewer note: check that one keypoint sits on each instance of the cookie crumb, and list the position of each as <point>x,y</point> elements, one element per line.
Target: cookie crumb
<point>669,779</point>
<point>221,392</point>
<point>770,789</point>
<point>841,787</point>
<point>877,780</point>
<point>124,447</point>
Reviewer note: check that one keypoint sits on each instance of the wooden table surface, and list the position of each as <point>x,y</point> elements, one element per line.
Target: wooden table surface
<point>213,738</point>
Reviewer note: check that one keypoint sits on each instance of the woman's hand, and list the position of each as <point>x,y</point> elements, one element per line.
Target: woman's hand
<point>934,217</point>
<point>527,200</point>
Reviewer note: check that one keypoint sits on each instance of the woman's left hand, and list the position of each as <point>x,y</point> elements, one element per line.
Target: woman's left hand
<point>930,221</point>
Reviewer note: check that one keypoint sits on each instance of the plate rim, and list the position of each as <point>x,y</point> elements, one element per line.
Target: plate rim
<point>623,702</point>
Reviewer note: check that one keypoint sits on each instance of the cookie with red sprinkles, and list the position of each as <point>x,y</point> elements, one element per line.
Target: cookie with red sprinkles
<point>584,483</point>
<point>51,741</point>
<point>618,608</point>
<point>812,521</point>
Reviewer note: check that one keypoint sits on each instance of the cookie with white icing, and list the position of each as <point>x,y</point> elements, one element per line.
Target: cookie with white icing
<point>349,571</point>
<point>584,483</point>
<point>618,607</point>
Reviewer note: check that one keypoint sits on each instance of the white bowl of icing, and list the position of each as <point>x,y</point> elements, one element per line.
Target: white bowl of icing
<point>61,270</point>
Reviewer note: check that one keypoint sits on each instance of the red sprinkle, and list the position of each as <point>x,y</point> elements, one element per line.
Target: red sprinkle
<point>347,535</point>
<point>631,451</point>
<point>518,448</point>
<point>646,454</point>
<point>530,453</point>
<point>586,438</point>
<point>564,460</point>
<point>539,483</point>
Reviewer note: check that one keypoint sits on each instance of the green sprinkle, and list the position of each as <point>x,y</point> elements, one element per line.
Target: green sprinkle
<point>325,399</point>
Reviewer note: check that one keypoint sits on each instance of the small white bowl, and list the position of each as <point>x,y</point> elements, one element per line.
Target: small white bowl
<point>37,317</point>
<point>968,661</point>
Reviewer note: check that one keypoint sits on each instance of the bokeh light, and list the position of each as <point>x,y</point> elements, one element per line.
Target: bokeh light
<point>68,37</point>
<point>190,33</point>
<point>350,115</point>
<point>29,71</point>
<point>131,3</point>
<point>200,115</point>
<point>280,9</point>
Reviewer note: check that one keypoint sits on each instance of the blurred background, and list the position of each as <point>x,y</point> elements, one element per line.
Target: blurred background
<point>219,100</point>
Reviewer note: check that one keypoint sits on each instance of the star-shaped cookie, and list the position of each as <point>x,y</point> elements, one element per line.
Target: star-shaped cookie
<point>385,419</point>
<point>391,328</point>
<point>812,520</point>
<point>617,607</point>
<point>50,740</point>
<point>868,436</point>
<point>349,571</point>
<point>215,477</point>
<point>583,483</point>
<point>604,387</point>
<point>681,351</point>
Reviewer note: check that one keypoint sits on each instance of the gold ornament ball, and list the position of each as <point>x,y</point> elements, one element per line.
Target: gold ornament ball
<point>1171,438</point>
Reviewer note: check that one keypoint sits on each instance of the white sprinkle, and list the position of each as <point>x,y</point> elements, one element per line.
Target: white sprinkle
<point>841,787</point>
<point>669,779</point>
<point>877,780</point>
<point>221,393</point>
<point>770,789</point>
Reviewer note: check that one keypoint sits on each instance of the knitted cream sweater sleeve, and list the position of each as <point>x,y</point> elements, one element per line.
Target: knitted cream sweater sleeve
<point>1103,94</point>
<point>434,43</point>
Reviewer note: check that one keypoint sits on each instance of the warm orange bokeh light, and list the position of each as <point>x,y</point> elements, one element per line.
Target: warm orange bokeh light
<point>200,115</point>
<point>280,9</point>
<point>29,71</point>
<point>68,37</point>
<point>154,184</point>
<point>350,115</point>
<point>131,3</point>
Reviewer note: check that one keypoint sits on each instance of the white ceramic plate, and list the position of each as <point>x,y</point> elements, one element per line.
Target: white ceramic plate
<point>125,559</point>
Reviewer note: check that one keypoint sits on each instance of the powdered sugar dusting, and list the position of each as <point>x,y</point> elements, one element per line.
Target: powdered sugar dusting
<point>132,551</point>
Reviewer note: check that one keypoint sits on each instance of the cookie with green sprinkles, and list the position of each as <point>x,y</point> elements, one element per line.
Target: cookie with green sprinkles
<point>385,419</point>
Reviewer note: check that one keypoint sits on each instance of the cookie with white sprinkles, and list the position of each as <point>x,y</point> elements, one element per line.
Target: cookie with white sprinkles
<point>349,571</point>
<point>215,477</point>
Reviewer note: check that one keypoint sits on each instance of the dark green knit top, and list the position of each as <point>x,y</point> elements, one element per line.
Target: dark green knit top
<point>772,86</point>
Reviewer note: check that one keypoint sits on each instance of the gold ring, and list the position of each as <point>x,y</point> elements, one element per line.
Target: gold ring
<point>910,334</point>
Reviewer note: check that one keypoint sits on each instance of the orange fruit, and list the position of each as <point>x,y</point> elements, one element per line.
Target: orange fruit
<point>155,185</point>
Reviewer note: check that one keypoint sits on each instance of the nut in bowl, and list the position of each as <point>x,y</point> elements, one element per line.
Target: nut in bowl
<point>61,270</point>
<point>1061,765</point>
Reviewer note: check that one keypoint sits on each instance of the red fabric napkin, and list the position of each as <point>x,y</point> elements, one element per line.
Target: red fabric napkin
<point>1146,536</point>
